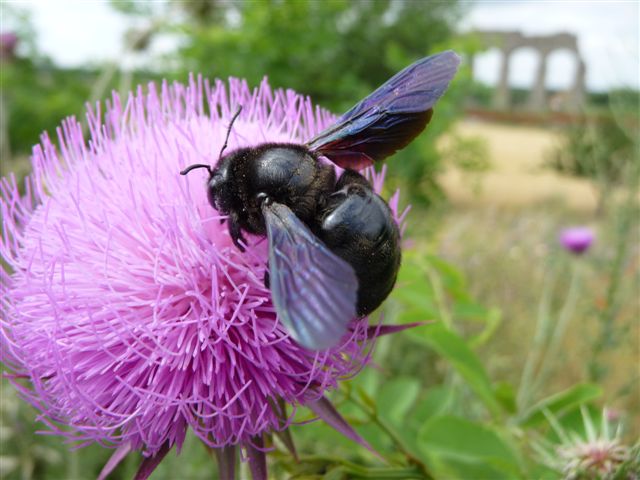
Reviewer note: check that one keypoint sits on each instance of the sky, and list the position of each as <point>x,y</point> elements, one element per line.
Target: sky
<point>75,32</point>
<point>607,31</point>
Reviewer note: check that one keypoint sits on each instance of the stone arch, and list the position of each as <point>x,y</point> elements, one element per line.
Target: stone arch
<point>492,57</point>
<point>509,42</point>
<point>568,60</point>
<point>524,60</point>
<point>570,92</point>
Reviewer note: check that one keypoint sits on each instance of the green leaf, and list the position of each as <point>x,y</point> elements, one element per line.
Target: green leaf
<point>561,402</point>
<point>451,277</point>
<point>368,381</point>
<point>367,399</point>
<point>414,315</point>
<point>410,271</point>
<point>437,402</point>
<point>493,320</point>
<point>470,311</point>
<point>396,397</point>
<point>337,473</point>
<point>506,395</point>
<point>452,347</point>
<point>415,298</point>
<point>463,449</point>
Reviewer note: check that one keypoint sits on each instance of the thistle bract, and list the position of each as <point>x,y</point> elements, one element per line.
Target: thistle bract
<point>129,316</point>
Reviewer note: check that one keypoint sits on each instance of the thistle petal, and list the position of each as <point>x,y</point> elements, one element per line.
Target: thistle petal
<point>380,330</point>
<point>327,412</point>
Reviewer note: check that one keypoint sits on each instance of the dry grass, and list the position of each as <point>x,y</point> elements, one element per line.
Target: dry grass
<point>518,175</point>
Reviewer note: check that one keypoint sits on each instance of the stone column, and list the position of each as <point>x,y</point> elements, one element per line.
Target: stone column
<point>538,95</point>
<point>502,96</point>
<point>577,92</point>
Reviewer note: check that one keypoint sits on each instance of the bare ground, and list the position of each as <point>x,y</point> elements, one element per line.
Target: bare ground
<point>518,175</point>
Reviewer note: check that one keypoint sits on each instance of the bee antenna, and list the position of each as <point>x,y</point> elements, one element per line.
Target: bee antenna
<point>196,165</point>
<point>233,119</point>
<point>226,140</point>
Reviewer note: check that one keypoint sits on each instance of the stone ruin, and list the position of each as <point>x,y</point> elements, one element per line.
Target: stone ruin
<point>508,42</point>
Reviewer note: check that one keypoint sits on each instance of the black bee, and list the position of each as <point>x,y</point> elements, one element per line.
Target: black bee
<point>334,247</point>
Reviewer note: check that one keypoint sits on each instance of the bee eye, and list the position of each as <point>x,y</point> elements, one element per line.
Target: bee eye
<point>356,190</point>
<point>216,186</point>
<point>216,181</point>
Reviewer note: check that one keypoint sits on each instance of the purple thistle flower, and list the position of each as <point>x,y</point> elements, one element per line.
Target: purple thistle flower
<point>8,43</point>
<point>577,239</point>
<point>130,316</point>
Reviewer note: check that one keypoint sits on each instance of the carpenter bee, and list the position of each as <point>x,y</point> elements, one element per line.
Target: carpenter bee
<point>334,246</point>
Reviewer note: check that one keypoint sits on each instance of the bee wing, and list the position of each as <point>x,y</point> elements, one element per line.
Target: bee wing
<point>314,291</point>
<point>391,117</point>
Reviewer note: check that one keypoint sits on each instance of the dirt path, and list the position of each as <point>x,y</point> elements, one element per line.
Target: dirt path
<point>518,175</point>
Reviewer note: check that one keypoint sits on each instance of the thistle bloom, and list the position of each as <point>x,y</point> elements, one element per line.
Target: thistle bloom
<point>129,316</point>
<point>599,453</point>
<point>577,239</point>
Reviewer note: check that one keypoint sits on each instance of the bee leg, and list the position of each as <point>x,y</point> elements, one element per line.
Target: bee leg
<point>265,279</point>
<point>235,231</point>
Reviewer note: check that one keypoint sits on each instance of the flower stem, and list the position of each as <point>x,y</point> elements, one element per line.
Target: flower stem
<point>625,238</point>
<point>438,291</point>
<point>350,469</point>
<point>543,322</point>
<point>564,318</point>
<point>400,445</point>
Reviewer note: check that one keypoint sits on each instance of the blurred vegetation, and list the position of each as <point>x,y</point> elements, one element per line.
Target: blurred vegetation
<point>337,52</point>
<point>35,101</point>
<point>604,148</point>
<point>37,94</point>
<point>481,95</point>
<point>526,338</point>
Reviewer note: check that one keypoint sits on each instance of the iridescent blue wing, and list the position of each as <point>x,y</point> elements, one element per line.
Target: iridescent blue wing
<point>314,291</point>
<point>391,117</point>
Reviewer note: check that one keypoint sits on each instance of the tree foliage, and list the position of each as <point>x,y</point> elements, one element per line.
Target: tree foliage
<point>604,148</point>
<point>337,51</point>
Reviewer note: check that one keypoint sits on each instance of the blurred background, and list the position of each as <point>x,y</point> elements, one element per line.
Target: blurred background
<point>539,132</point>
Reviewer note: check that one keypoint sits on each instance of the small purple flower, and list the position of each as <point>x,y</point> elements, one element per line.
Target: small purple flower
<point>8,43</point>
<point>577,239</point>
<point>129,316</point>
